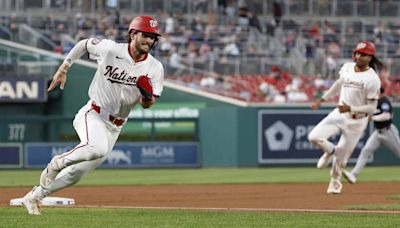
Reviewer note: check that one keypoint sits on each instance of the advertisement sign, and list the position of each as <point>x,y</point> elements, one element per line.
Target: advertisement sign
<point>169,110</point>
<point>182,117</point>
<point>124,155</point>
<point>283,137</point>
<point>23,89</point>
<point>10,155</point>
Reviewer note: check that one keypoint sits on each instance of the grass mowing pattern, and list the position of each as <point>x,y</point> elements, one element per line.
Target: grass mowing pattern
<point>90,217</point>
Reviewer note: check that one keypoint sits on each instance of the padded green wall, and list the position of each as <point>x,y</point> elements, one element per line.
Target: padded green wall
<point>218,131</point>
<point>228,134</point>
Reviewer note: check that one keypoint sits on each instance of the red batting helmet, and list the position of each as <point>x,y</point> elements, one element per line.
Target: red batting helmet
<point>144,24</point>
<point>366,48</point>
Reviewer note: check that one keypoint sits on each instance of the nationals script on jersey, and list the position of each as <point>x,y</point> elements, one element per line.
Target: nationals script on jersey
<point>358,87</point>
<point>114,84</point>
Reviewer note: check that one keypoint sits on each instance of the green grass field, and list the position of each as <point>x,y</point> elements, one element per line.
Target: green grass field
<point>83,217</point>
<point>101,217</point>
<point>15,178</point>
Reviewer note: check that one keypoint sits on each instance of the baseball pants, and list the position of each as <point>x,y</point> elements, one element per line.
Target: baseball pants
<point>98,136</point>
<point>388,137</point>
<point>351,131</point>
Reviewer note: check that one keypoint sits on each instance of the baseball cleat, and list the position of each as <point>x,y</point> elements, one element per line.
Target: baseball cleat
<point>31,203</point>
<point>335,187</point>
<point>349,177</point>
<point>50,173</point>
<point>324,160</point>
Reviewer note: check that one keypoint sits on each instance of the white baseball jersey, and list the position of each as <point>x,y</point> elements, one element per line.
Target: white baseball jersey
<point>114,91</point>
<point>358,87</point>
<point>114,85</point>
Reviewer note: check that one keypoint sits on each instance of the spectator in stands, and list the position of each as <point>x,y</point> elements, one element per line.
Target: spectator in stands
<point>230,13</point>
<point>270,27</point>
<point>176,62</point>
<point>330,67</point>
<point>280,98</point>
<point>169,24</point>
<point>231,49</point>
<point>206,53</point>
<point>315,32</point>
<point>255,33</point>
<point>49,23</point>
<point>295,95</point>
<point>277,12</point>
<point>111,33</point>
<point>208,82</point>
<point>297,53</point>
<point>379,31</point>
<point>192,53</point>
<point>319,57</point>
<point>254,22</point>
<point>56,35</point>
<point>329,32</point>
<point>349,37</point>
<point>165,44</point>
<point>243,17</point>
<point>290,41</point>
<point>80,35</point>
<point>268,91</point>
<point>334,49</point>
<point>124,24</point>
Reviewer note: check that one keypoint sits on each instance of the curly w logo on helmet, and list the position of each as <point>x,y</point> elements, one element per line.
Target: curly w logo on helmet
<point>153,23</point>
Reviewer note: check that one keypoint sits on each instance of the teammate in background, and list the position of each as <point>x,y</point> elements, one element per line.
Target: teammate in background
<point>359,86</point>
<point>127,74</point>
<point>385,132</point>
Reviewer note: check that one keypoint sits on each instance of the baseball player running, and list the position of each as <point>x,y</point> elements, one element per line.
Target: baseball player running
<point>385,132</point>
<point>359,86</point>
<point>127,74</point>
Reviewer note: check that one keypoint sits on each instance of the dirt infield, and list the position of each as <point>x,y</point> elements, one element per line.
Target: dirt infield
<point>277,196</point>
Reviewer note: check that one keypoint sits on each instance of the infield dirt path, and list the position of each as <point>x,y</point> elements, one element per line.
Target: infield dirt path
<point>276,196</point>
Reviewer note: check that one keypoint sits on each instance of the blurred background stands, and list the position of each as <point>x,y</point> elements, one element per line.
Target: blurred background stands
<point>237,43</point>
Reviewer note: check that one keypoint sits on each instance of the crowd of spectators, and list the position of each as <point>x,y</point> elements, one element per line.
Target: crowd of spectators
<point>299,57</point>
<point>278,87</point>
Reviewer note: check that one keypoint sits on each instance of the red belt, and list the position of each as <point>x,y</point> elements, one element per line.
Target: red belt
<point>113,119</point>
<point>358,116</point>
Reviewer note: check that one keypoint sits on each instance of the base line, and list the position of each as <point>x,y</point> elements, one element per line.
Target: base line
<point>243,209</point>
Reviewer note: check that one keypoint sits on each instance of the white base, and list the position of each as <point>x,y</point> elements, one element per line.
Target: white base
<point>48,201</point>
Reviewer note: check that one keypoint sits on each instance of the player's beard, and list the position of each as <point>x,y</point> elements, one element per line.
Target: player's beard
<point>140,47</point>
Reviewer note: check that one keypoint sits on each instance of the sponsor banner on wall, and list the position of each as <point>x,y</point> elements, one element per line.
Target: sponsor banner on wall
<point>283,137</point>
<point>176,110</point>
<point>23,89</point>
<point>124,155</point>
<point>11,155</point>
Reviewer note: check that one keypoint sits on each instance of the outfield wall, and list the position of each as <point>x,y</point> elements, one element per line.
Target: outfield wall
<point>228,131</point>
<point>228,134</point>
<point>231,137</point>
